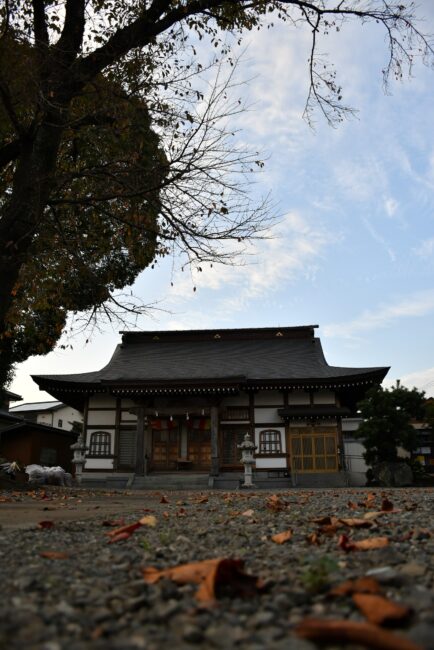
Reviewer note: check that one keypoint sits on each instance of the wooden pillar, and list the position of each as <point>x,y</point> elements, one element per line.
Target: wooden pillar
<point>215,460</point>
<point>140,441</point>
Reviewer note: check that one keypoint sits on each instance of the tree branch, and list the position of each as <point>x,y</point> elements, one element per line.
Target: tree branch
<point>40,23</point>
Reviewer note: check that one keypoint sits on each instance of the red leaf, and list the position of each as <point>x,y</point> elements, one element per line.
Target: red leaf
<point>46,524</point>
<point>352,632</point>
<point>54,555</point>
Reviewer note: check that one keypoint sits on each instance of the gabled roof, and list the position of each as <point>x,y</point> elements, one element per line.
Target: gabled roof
<point>37,407</point>
<point>164,361</point>
<point>12,397</point>
<point>34,427</point>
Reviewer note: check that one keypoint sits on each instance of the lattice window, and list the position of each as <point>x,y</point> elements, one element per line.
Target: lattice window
<point>99,444</point>
<point>235,413</point>
<point>270,442</point>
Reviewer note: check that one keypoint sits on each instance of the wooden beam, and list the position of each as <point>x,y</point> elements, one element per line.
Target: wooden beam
<point>140,442</point>
<point>215,460</point>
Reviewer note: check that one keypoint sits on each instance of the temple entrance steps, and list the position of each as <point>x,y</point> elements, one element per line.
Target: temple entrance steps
<point>170,481</point>
<point>321,480</point>
<point>261,480</point>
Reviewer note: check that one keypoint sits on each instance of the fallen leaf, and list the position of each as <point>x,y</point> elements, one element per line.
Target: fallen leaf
<point>365,585</point>
<point>380,610</point>
<point>386,505</point>
<point>202,499</point>
<point>148,520</point>
<point>313,539</point>
<point>281,538</point>
<point>54,555</point>
<point>357,523</point>
<point>164,499</point>
<point>276,504</point>
<point>346,632</point>
<point>46,524</point>
<point>129,528</point>
<point>248,513</point>
<point>352,505</point>
<point>215,578</point>
<point>362,545</point>
<point>325,521</point>
<point>374,515</point>
<point>119,537</point>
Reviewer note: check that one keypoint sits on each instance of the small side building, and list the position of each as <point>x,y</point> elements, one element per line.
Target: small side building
<point>182,401</point>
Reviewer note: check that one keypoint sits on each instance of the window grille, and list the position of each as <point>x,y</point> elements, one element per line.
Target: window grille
<point>270,442</point>
<point>99,444</point>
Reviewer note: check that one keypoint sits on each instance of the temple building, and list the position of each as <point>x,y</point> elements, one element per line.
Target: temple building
<point>182,401</point>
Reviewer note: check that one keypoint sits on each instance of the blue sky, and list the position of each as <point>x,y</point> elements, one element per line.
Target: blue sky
<point>354,248</point>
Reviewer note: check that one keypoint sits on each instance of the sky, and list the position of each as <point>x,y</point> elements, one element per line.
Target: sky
<point>353,249</point>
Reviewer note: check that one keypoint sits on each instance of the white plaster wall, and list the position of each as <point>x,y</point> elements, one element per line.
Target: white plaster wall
<point>267,415</point>
<point>95,418</point>
<point>298,398</point>
<point>271,463</point>
<point>351,424</point>
<point>236,400</point>
<point>102,401</point>
<point>45,418</point>
<point>324,397</point>
<point>99,463</point>
<point>268,397</point>
<point>282,437</point>
<point>128,417</point>
<point>354,450</point>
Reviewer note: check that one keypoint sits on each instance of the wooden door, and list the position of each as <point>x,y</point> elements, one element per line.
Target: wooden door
<point>314,451</point>
<point>231,437</point>
<point>199,448</point>
<point>165,449</point>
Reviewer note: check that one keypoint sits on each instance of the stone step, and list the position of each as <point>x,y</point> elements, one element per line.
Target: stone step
<point>321,480</point>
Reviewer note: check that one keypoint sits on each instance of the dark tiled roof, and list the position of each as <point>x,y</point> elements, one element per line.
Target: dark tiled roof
<point>253,355</point>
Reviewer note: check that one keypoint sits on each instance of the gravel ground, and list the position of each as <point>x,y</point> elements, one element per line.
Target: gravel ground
<point>96,597</point>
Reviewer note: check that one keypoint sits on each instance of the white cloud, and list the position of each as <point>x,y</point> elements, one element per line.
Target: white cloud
<point>420,379</point>
<point>379,239</point>
<point>419,304</point>
<point>391,206</point>
<point>294,249</point>
<point>426,248</point>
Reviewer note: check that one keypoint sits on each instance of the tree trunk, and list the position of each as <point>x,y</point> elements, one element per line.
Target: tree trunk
<point>22,215</point>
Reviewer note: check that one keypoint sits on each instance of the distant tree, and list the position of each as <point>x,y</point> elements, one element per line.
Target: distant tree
<point>386,426</point>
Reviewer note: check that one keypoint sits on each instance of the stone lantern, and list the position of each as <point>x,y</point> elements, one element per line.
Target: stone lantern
<point>79,460</point>
<point>247,449</point>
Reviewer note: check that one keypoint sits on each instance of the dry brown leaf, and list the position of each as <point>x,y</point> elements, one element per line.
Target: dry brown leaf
<point>380,610</point>
<point>276,504</point>
<point>248,513</point>
<point>325,521</point>
<point>362,545</point>
<point>46,524</point>
<point>374,514</point>
<point>148,520</point>
<point>164,499</point>
<point>313,539</point>
<point>386,505</point>
<point>346,632</point>
<point>364,585</point>
<point>214,577</point>
<point>356,523</point>
<point>353,505</point>
<point>54,555</point>
<point>281,538</point>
